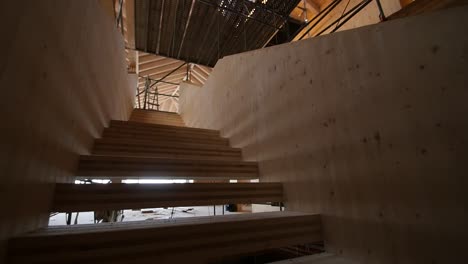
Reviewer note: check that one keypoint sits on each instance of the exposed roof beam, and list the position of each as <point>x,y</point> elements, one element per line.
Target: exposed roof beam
<point>186,26</point>
<point>313,5</point>
<point>201,72</point>
<point>199,77</point>
<point>204,69</point>
<point>160,69</point>
<point>158,76</point>
<point>150,58</point>
<point>171,78</point>
<point>129,15</point>
<point>155,64</point>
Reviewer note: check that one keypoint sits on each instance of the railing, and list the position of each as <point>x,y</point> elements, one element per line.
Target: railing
<point>150,94</point>
<point>149,98</point>
<point>338,23</point>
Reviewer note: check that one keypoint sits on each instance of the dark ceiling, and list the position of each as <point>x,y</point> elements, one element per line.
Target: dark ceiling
<point>202,31</point>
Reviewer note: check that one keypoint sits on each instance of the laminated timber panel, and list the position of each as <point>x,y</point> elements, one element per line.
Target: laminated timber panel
<point>381,151</point>
<point>136,130</point>
<point>136,167</point>
<point>195,239</point>
<point>133,147</point>
<point>63,77</point>
<point>91,197</point>
<point>156,117</point>
<point>162,132</point>
<point>149,126</point>
<point>322,258</point>
<point>163,136</point>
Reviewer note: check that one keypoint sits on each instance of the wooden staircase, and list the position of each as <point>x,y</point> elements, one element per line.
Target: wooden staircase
<point>156,149</point>
<point>187,240</point>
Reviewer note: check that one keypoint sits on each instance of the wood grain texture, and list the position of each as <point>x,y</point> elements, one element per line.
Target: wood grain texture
<point>91,197</point>
<point>367,127</point>
<point>161,135</point>
<point>164,148</point>
<point>322,258</point>
<point>157,133</point>
<point>156,117</point>
<point>367,16</point>
<point>62,78</point>
<point>423,6</point>
<point>95,166</point>
<point>161,127</point>
<point>194,239</point>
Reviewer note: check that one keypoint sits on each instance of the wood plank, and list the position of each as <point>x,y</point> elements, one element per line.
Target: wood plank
<point>197,238</point>
<point>156,117</point>
<point>322,258</point>
<point>167,154</point>
<point>91,197</point>
<point>94,166</point>
<point>162,129</point>
<point>158,133</point>
<point>174,149</point>
<point>118,123</point>
<point>167,137</point>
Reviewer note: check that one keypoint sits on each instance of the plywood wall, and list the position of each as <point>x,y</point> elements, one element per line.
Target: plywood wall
<point>62,78</point>
<point>367,127</point>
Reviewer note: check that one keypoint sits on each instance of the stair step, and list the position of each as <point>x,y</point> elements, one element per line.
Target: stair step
<point>162,136</point>
<point>156,117</point>
<point>148,126</point>
<point>321,258</point>
<point>180,240</point>
<point>92,197</point>
<point>160,133</point>
<point>95,166</point>
<point>132,147</point>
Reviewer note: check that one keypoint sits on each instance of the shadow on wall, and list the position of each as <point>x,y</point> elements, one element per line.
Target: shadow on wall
<point>63,78</point>
<point>363,126</point>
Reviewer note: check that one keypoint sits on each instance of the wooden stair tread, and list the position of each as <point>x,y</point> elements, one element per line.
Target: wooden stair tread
<point>147,148</point>
<point>164,137</point>
<point>160,133</point>
<point>96,165</point>
<point>91,197</point>
<point>157,117</point>
<point>157,223</point>
<point>171,154</point>
<point>198,238</point>
<point>132,142</point>
<point>251,164</point>
<point>142,125</point>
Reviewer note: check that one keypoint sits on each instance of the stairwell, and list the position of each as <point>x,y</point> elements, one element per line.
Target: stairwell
<point>158,145</point>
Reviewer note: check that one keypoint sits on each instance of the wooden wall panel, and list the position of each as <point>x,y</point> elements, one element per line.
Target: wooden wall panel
<point>367,127</point>
<point>62,78</point>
